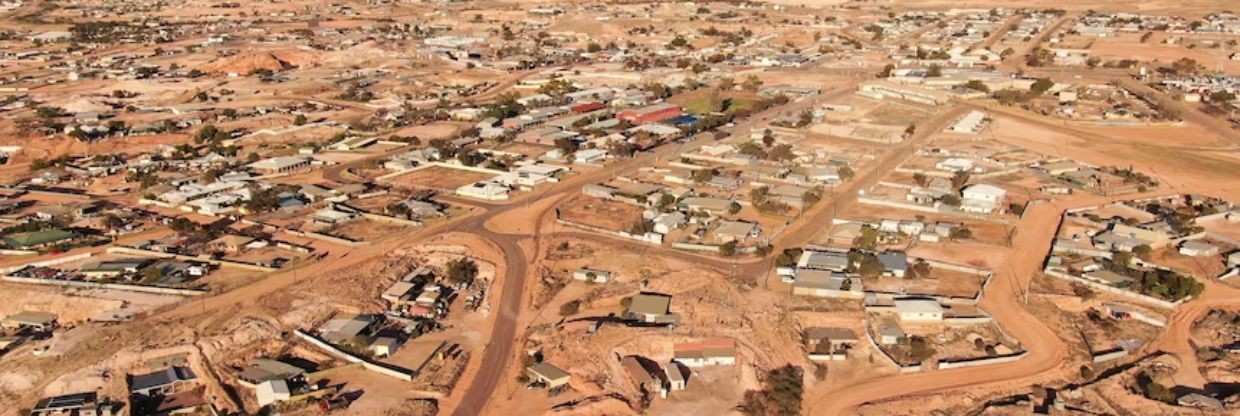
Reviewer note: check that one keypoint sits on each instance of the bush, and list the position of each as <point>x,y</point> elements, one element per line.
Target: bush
<point>570,308</point>
<point>1153,390</point>
<point>780,395</point>
<point>1087,372</point>
<point>462,271</point>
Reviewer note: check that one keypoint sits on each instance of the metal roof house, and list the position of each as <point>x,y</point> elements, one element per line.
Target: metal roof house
<point>160,382</point>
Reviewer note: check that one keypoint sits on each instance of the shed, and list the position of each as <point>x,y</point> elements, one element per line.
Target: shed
<point>547,374</point>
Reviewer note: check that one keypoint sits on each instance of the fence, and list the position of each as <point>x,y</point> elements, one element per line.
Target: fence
<point>974,362</point>
<point>328,238</point>
<point>48,262</point>
<point>1050,271</point>
<point>221,263</point>
<point>648,238</point>
<point>381,368</point>
<point>97,285</point>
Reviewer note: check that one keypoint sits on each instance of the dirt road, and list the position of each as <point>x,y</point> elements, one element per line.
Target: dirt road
<point>1176,338</point>
<point>1002,299</point>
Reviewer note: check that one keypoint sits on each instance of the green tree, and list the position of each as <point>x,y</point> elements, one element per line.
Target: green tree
<point>868,240</point>
<point>462,271</point>
<point>1041,86</point>
<point>752,83</point>
<point>977,85</point>
<point>781,394</point>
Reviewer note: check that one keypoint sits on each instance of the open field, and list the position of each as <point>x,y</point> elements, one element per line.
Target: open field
<point>437,178</point>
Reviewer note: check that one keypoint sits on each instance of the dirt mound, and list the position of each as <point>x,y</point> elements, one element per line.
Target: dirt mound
<point>249,62</point>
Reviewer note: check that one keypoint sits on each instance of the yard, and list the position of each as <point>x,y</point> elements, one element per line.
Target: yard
<point>611,215</point>
<point>438,178</point>
<point>699,102</point>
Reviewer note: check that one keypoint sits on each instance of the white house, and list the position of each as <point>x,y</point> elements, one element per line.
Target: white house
<point>589,156</point>
<point>592,276</point>
<point>705,353</point>
<point>1198,248</point>
<point>919,310</point>
<point>982,198</point>
<point>666,222</point>
<point>490,191</point>
<point>955,164</point>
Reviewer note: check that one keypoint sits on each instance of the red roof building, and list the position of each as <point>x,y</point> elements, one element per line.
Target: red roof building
<point>650,114</point>
<point>587,107</point>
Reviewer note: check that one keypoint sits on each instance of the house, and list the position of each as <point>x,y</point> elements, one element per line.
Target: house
<point>645,373</point>
<point>589,156</point>
<point>826,284</point>
<point>1115,242</point>
<point>890,333</point>
<point>161,382</point>
<point>230,243</point>
<point>333,216</point>
<point>823,260</point>
<point>1233,259</point>
<point>955,165</point>
<point>272,391</point>
<point>982,198</point>
<point>675,376</point>
<point>709,205</point>
<point>384,346</point>
<point>737,231</point>
<point>1198,249</point>
<point>829,339</point>
<point>1108,277</point>
<point>183,403</point>
<point>666,222</point>
<point>592,276</point>
<point>490,191</point>
<point>919,310</point>
<point>78,404</point>
<point>30,320</point>
<point>281,164</point>
<point>706,353</point>
<point>911,227</point>
<point>398,292</point>
<point>353,143</point>
<point>547,374</point>
<point>339,331</point>
<point>420,209</point>
<point>1153,238</point>
<point>823,174</point>
<point>649,307</point>
<point>598,191</point>
<point>264,369</point>
<point>895,264</point>
<point>970,123</point>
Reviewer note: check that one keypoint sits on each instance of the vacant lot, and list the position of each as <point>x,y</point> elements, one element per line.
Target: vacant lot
<point>699,102</point>
<point>897,115</point>
<point>365,230</point>
<point>601,213</point>
<point>438,178</point>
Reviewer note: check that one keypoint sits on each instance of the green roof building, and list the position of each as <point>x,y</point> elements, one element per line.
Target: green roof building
<point>38,238</point>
